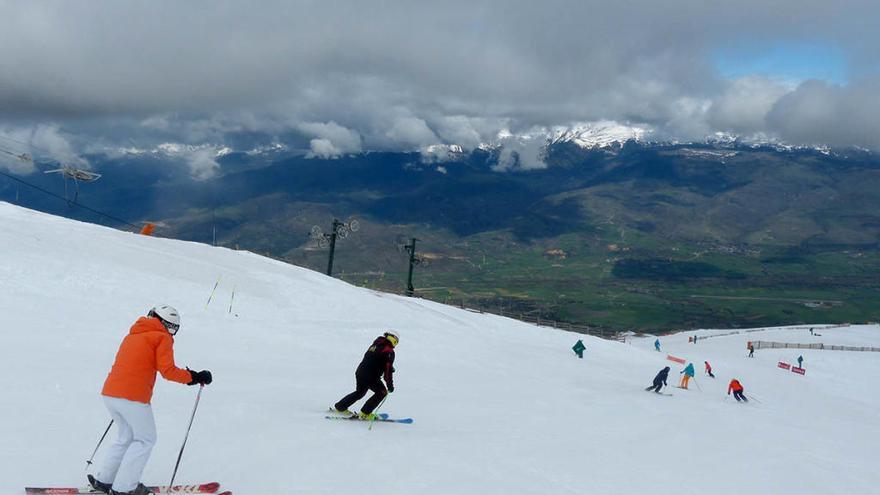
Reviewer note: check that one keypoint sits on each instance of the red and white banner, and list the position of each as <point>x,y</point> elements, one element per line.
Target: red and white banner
<point>799,371</point>
<point>677,360</point>
<point>783,365</point>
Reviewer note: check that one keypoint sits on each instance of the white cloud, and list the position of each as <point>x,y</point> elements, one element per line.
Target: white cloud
<point>175,71</point>
<point>522,152</point>
<point>744,105</point>
<point>821,113</point>
<point>323,148</point>
<point>41,142</point>
<point>410,132</point>
<point>201,159</point>
<point>331,139</point>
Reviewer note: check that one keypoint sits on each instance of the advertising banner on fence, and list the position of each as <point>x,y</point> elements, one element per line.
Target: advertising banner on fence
<point>799,371</point>
<point>784,366</point>
<point>677,360</point>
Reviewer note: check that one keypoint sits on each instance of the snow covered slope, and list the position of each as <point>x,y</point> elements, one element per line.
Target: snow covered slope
<point>499,406</point>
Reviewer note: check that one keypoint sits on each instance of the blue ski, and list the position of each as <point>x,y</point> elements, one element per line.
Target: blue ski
<point>383,417</point>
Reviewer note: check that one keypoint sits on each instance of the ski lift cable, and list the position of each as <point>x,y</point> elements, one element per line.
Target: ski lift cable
<point>26,144</point>
<point>27,155</point>
<point>22,157</point>
<point>74,202</point>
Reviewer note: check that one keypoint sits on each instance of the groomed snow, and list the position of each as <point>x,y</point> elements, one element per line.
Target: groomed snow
<point>500,407</point>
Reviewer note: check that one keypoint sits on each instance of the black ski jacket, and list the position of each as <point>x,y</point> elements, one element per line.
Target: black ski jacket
<point>378,361</point>
<point>661,377</point>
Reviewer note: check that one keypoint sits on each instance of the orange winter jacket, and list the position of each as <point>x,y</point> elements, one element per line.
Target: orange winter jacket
<point>734,385</point>
<point>146,349</point>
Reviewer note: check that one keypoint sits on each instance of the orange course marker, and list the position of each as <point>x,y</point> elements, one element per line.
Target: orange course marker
<point>148,229</point>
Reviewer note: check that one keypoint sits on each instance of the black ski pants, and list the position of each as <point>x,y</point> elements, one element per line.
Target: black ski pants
<point>363,385</point>
<point>738,395</point>
<point>656,386</point>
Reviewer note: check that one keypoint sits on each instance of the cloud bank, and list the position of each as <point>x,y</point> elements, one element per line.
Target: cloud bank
<point>343,77</point>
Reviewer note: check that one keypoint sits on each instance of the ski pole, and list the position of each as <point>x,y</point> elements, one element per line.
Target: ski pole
<point>698,384</point>
<point>185,437</point>
<point>377,408</point>
<point>213,290</point>
<point>89,462</point>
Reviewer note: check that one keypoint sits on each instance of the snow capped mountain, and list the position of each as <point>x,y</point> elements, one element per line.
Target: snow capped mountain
<point>177,150</point>
<point>588,135</point>
<point>602,134</point>
<point>267,149</point>
<point>515,150</point>
<point>761,140</point>
<point>438,153</point>
<point>610,135</point>
<point>527,150</point>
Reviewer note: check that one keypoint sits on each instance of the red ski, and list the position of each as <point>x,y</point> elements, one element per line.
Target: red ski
<point>204,488</point>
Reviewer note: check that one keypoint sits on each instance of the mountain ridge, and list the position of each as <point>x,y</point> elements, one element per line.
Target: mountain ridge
<point>785,222</point>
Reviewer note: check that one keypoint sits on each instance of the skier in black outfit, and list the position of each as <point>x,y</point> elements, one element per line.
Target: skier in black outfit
<point>659,380</point>
<point>378,363</point>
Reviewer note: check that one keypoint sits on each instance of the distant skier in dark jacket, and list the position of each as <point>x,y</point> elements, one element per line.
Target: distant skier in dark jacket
<point>659,380</point>
<point>751,350</point>
<point>378,363</point>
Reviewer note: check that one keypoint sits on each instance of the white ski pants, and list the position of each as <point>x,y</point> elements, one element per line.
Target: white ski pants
<point>124,462</point>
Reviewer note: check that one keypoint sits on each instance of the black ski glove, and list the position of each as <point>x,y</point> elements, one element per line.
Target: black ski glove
<point>200,377</point>
<point>390,388</point>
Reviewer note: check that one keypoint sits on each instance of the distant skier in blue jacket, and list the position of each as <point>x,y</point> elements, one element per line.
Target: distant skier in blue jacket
<point>659,380</point>
<point>657,345</point>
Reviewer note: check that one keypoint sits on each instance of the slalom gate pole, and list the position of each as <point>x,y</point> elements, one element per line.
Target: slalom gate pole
<point>89,462</point>
<point>213,290</point>
<point>231,299</point>
<point>180,455</point>
<point>377,408</point>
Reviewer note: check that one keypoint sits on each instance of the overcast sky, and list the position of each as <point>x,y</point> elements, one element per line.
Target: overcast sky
<point>343,76</point>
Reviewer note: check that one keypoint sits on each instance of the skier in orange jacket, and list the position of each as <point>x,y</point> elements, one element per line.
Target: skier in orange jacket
<point>146,350</point>
<point>737,389</point>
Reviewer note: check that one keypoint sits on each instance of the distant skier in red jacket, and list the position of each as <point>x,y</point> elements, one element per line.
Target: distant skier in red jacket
<point>737,389</point>
<point>709,369</point>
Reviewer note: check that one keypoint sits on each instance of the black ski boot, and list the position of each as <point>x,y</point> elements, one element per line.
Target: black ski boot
<point>97,485</point>
<point>139,490</point>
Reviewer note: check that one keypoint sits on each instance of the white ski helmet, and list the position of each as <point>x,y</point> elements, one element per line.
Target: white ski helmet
<point>394,335</point>
<point>169,316</point>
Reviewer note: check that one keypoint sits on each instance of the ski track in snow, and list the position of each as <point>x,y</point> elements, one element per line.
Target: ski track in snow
<point>499,406</point>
